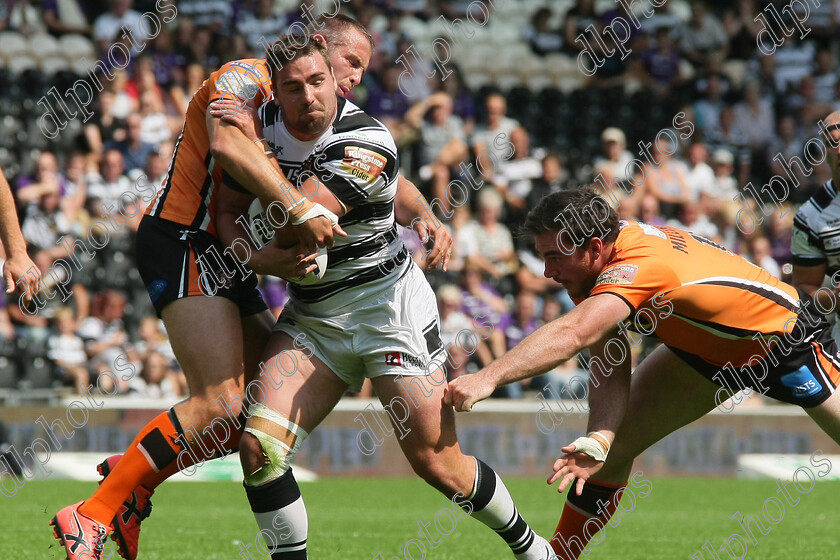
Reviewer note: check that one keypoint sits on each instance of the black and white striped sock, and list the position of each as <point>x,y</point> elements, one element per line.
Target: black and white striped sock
<point>493,506</point>
<point>281,515</point>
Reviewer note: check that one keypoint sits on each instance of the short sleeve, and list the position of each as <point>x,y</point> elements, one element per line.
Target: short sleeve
<point>242,80</point>
<point>355,170</point>
<point>806,247</point>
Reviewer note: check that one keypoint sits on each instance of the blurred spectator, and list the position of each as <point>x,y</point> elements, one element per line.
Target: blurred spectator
<point>154,126</point>
<point>707,109</point>
<point>214,15</point>
<point>107,27</point>
<point>110,182</point>
<point>763,73</point>
<point>415,85</point>
<point>760,254</point>
<point>577,19</point>
<point>524,318</point>
<point>23,17</point>
<point>442,142</point>
<point>542,39</point>
<point>7,329</point>
<point>153,340</point>
<point>462,98</point>
<point>702,36</point>
<point>614,163</point>
<point>723,189</point>
<point>755,122</point>
<point>730,138</point>
<point>45,179</point>
<point>488,310</point>
<point>780,233</point>
<point>661,65</point>
<point>690,219</point>
<point>66,16</point>
<point>44,223</point>
<point>794,60</point>
<point>106,341</point>
<point>389,105</point>
<point>105,126</point>
<point>742,29</point>
<point>515,177</point>
<point>492,252</point>
<point>666,179</point>
<point>700,175</point>
<point>261,23</point>
<point>490,142</point>
<point>788,143</point>
<point>456,331</point>
<point>553,178</point>
<point>134,150</point>
<point>649,211</point>
<point>66,350</point>
<point>157,380</point>
<point>825,77</point>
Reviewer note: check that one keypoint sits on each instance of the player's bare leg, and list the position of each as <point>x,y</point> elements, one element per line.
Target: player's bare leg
<point>827,416</point>
<point>275,430</point>
<point>429,442</point>
<point>657,407</point>
<point>206,336</point>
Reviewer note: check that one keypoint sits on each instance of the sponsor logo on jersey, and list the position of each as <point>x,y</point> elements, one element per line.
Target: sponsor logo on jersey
<point>247,67</point>
<point>393,359</point>
<point>362,163</point>
<point>621,274</point>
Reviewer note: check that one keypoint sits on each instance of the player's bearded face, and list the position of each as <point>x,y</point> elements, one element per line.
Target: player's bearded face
<point>575,271</point>
<point>305,92</point>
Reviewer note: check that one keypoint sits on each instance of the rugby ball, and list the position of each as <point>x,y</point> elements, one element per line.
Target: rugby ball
<point>261,234</point>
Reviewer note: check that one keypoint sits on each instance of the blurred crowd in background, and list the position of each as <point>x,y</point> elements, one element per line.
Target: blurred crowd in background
<point>512,123</point>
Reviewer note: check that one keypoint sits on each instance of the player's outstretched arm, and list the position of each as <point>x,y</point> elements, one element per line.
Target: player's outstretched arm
<point>542,350</point>
<point>412,211</point>
<point>19,271</point>
<point>609,392</point>
<point>247,162</point>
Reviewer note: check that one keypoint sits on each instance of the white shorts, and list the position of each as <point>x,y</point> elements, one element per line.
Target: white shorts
<point>396,332</point>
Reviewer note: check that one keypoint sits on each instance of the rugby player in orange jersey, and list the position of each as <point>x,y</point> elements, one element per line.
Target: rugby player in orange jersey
<point>216,339</point>
<point>724,323</point>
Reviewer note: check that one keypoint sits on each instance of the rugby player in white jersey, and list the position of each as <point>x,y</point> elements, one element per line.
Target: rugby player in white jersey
<point>372,315</point>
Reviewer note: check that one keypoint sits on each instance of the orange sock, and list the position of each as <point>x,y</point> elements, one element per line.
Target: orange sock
<point>154,449</point>
<point>223,441</point>
<point>583,516</point>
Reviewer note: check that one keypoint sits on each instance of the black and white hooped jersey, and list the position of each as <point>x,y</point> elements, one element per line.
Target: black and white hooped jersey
<point>356,159</point>
<point>816,230</point>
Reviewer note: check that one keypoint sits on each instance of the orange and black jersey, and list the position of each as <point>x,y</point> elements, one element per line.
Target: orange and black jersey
<point>697,296</point>
<point>188,194</point>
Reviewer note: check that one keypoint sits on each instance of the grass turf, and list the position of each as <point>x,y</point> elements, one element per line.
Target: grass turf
<point>359,518</point>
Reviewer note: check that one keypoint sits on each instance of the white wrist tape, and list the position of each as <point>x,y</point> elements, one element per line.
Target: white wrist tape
<point>314,212</point>
<point>591,447</point>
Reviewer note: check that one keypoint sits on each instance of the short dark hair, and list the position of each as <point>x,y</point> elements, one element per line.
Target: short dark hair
<point>581,213</point>
<point>291,47</point>
<point>334,29</point>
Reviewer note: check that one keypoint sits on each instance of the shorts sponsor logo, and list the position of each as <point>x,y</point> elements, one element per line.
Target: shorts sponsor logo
<point>622,274</point>
<point>156,289</point>
<point>402,359</point>
<point>802,382</point>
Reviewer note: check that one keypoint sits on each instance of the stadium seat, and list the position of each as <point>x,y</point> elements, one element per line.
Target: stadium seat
<point>43,46</point>
<point>12,42</point>
<point>76,46</point>
<point>21,61</point>
<point>8,373</point>
<point>53,64</point>
<point>37,374</point>
<point>519,100</point>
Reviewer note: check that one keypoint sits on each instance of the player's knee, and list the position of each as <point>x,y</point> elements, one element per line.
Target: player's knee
<point>224,403</point>
<point>251,454</point>
<point>432,467</point>
<point>268,445</point>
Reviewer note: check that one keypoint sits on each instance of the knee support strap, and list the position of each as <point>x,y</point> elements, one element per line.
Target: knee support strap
<point>280,439</point>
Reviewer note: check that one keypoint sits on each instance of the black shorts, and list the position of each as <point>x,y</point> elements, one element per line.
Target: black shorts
<point>804,373</point>
<point>176,261</point>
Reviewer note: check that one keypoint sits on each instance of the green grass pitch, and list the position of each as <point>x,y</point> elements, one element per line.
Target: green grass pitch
<point>359,518</point>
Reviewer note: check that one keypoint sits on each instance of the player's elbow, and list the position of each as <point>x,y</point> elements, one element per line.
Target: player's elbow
<point>221,149</point>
